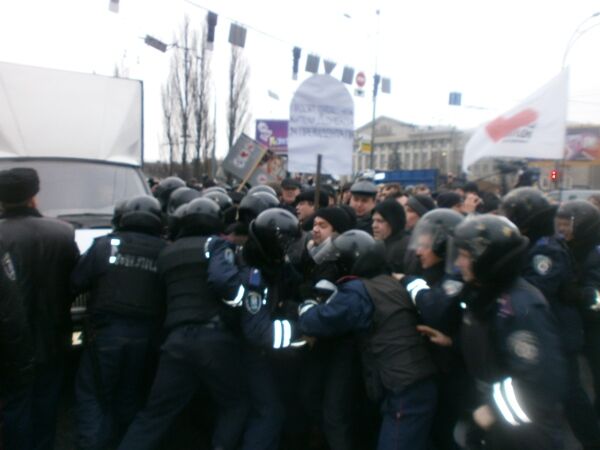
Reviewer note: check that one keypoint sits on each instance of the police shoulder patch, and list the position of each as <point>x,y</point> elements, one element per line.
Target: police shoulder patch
<point>452,287</point>
<point>542,264</point>
<point>524,345</point>
<point>229,255</point>
<point>253,302</point>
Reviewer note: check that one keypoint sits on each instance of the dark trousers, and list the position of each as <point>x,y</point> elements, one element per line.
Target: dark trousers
<point>267,413</point>
<point>193,356</point>
<point>592,353</point>
<point>544,433</point>
<point>578,408</point>
<point>451,391</point>
<point>30,414</point>
<point>110,382</point>
<point>407,417</point>
<point>329,388</point>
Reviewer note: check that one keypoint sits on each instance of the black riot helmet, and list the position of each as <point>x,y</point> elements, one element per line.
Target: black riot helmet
<point>118,212</point>
<point>164,189</point>
<point>214,189</point>
<point>270,235</point>
<point>252,205</point>
<point>262,188</point>
<point>271,200</point>
<point>579,222</point>
<point>357,253</point>
<point>435,230</point>
<point>142,214</point>
<point>496,248</point>
<point>181,196</point>
<point>225,203</point>
<point>220,198</point>
<point>529,209</point>
<point>200,217</point>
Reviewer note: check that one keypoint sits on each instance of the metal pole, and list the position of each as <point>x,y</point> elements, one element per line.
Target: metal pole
<point>562,164</point>
<point>318,182</point>
<point>375,85</point>
<point>372,156</point>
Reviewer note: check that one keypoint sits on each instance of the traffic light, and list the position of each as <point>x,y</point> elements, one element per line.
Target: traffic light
<point>554,175</point>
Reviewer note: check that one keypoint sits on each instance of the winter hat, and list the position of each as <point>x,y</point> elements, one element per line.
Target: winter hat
<point>448,199</point>
<point>18,184</point>
<point>309,196</point>
<point>420,204</point>
<point>337,217</point>
<point>393,213</point>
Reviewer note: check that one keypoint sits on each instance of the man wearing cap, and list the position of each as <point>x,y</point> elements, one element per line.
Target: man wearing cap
<point>44,253</point>
<point>363,201</point>
<point>290,188</point>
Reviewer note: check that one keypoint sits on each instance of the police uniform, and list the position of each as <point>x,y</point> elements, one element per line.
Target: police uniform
<point>125,310</point>
<point>268,327</point>
<point>589,294</point>
<point>513,350</point>
<point>201,283</point>
<point>549,268</point>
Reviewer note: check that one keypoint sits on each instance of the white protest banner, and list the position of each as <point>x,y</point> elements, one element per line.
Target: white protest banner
<point>321,122</point>
<point>533,129</point>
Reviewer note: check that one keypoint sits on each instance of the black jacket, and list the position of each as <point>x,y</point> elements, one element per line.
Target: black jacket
<point>44,254</point>
<point>16,344</point>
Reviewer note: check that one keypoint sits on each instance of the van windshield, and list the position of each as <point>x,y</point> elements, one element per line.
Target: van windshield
<point>73,188</point>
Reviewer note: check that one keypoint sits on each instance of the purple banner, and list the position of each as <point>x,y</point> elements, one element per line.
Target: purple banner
<point>273,134</point>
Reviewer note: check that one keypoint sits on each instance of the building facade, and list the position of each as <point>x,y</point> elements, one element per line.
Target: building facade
<point>404,146</point>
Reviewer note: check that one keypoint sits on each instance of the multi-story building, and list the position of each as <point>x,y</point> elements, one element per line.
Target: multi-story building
<point>401,145</point>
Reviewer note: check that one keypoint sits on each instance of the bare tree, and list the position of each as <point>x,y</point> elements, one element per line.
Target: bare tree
<point>238,106</point>
<point>186,99</point>
<point>201,94</point>
<point>169,126</point>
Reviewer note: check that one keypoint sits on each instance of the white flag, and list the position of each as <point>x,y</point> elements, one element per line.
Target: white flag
<point>534,129</point>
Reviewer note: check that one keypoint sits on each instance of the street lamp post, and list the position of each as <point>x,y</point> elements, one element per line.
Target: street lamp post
<point>376,79</point>
<point>579,31</point>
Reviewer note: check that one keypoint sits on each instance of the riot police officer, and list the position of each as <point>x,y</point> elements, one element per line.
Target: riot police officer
<point>509,339</point>
<point>579,222</point>
<point>200,349</point>
<point>397,365</point>
<point>267,319</point>
<point>549,268</point>
<point>125,310</point>
<point>178,198</point>
<point>163,190</point>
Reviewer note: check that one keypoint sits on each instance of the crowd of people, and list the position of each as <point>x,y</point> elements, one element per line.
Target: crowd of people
<point>363,317</point>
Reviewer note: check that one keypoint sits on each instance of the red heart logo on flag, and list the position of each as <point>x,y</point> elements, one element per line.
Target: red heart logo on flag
<point>244,154</point>
<point>501,127</point>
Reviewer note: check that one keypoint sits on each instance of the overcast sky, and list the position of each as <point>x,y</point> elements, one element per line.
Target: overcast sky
<point>495,53</point>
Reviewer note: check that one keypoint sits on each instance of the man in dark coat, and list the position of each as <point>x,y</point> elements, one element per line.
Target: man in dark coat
<point>44,252</point>
<point>389,221</point>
